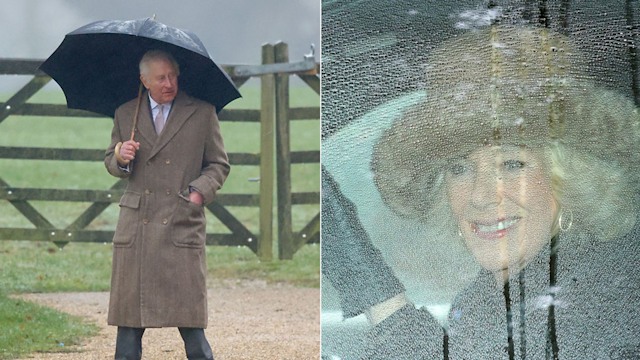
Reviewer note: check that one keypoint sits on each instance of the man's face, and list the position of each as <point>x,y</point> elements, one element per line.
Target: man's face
<point>161,80</point>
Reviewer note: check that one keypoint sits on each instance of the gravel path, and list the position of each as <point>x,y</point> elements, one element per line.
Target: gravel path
<point>246,321</point>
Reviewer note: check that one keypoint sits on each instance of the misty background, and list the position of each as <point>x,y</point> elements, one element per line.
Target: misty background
<point>233,31</point>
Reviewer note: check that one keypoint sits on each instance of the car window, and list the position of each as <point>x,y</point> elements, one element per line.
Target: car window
<point>480,179</point>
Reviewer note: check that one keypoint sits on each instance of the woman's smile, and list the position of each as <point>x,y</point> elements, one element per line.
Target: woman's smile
<point>503,200</point>
<point>494,229</point>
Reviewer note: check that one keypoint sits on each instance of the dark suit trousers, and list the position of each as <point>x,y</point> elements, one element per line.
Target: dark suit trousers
<point>129,343</point>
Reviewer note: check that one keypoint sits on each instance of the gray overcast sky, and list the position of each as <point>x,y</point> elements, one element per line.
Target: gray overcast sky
<point>232,30</point>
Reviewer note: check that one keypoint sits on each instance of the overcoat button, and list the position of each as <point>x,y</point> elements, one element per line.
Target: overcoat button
<point>168,192</point>
<point>145,221</point>
<point>165,221</point>
<point>147,192</point>
<point>167,162</point>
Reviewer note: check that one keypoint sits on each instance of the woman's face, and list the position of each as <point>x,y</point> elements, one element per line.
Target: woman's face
<point>502,199</point>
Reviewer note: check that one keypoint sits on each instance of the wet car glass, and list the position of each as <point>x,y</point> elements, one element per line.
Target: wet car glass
<point>480,180</point>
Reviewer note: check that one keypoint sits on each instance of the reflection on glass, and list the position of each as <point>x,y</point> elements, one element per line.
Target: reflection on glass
<point>514,154</point>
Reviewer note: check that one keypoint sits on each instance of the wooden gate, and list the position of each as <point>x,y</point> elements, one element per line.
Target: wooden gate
<point>274,161</point>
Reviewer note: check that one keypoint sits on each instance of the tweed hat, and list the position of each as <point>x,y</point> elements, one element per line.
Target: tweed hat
<point>503,85</point>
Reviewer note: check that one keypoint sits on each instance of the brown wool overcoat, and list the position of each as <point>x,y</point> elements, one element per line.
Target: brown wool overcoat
<point>159,265</point>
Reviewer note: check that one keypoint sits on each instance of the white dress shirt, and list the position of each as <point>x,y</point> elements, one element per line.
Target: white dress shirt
<point>155,109</point>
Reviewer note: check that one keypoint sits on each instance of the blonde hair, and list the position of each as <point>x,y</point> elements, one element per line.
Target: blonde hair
<point>596,194</point>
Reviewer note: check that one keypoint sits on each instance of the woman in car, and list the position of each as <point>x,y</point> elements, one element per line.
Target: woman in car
<point>518,155</point>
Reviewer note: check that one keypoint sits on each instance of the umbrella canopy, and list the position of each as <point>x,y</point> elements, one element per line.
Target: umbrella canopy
<point>97,65</point>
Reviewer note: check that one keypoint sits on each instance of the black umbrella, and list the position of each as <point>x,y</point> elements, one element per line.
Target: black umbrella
<point>97,65</point>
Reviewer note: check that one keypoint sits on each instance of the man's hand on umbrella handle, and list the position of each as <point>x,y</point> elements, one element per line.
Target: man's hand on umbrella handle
<point>125,152</point>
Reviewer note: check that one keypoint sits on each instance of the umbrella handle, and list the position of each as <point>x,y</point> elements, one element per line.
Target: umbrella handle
<point>135,116</point>
<point>133,129</point>
<point>120,159</point>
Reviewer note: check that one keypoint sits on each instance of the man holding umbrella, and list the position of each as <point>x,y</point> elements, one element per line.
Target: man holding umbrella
<point>167,144</point>
<point>176,164</point>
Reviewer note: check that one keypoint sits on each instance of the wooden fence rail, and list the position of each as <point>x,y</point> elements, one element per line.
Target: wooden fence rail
<point>274,159</point>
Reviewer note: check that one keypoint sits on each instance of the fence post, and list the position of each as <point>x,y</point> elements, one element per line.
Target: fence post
<point>267,119</point>
<point>283,159</point>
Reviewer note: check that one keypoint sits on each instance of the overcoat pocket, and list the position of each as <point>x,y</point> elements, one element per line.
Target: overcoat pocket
<point>126,230</point>
<point>188,227</point>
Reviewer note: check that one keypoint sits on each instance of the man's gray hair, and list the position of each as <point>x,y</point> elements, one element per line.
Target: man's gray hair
<point>153,55</point>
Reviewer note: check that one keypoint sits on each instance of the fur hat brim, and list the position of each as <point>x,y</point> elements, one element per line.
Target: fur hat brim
<point>504,85</point>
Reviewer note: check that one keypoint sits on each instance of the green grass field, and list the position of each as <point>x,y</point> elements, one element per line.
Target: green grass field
<point>28,266</point>
<point>27,328</point>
